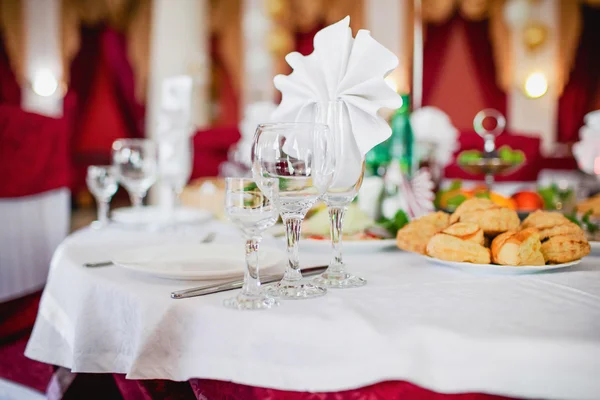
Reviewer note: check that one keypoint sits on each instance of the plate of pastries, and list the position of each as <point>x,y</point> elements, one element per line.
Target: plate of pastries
<point>481,235</point>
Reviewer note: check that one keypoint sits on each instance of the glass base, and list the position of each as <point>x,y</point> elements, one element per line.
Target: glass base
<point>296,290</point>
<point>339,280</point>
<point>245,302</point>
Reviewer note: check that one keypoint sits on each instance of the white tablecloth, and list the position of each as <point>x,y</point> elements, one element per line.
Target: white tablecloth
<point>447,330</point>
<point>31,228</point>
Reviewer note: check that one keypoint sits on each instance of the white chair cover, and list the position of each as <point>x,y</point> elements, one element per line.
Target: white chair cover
<point>31,228</point>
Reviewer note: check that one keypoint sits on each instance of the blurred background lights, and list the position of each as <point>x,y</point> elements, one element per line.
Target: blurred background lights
<point>536,85</point>
<point>44,83</point>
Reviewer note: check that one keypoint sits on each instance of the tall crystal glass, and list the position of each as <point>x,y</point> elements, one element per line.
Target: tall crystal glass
<point>300,156</point>
<point>175,163</point>
<point>251,209</point>
<point>136,165</point>
<point>102,183</point>
<point>345,186</point>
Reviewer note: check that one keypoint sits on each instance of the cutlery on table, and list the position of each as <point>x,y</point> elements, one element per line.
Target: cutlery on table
<point>223,287</point>
<point>207,239</point>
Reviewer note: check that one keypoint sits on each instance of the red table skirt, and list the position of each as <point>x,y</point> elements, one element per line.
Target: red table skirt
<point>104,386</point>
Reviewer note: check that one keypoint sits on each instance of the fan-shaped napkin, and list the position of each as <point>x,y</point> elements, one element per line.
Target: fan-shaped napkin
<point>351,70</point>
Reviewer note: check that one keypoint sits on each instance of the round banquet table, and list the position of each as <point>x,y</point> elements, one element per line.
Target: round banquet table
<point>445,330</point>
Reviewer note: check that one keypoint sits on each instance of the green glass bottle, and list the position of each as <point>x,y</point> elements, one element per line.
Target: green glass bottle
<point>402,147</point>
<point>378,159</point>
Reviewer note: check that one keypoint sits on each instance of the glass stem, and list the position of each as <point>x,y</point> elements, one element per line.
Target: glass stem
<point>251,279</point>
<point>137,199</point>
<point>336,218</point>
<point>103,212</point>
<point>293,227</point>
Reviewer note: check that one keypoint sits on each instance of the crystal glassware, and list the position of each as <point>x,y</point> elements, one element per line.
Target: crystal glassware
<point>175,164</point>
<point>102,183</point>
<point>250,208</point>
<point>345,186</point>
<point>136,165</point>
<point>301,157</point>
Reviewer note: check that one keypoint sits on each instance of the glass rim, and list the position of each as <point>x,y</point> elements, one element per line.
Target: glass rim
<point>249,180</point>
<point>140,141</point>
<point>275,125</point>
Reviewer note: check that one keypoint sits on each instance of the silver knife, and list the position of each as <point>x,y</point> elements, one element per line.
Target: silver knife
<point>223,287</point>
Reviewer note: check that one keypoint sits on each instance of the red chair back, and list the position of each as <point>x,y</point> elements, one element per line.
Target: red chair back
<point>210,149</point>
<point>34,153</point>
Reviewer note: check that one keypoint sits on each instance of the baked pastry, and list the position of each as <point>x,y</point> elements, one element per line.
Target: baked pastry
<point>551,223</point>
<point>562,240</point>
<point>471,205</point>
<point>466,231</point>
<point>490,217</point>
<point>544,220</point>
<point>563,248</point>
<point>415,235</point>
<point>451,248</point>
<point>518,248</point>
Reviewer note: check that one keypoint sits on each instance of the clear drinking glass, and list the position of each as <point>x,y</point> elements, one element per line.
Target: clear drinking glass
<point>250,208</point>
<point>102,183</point>
<point>175,164</point>
<point>301,157</point>
<point>345,186</point>
<point>136,165</point>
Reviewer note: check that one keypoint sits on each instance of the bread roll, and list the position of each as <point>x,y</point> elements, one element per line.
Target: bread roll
<point>561,249</point>
<point>518,248</point>
<point>416,234</point>
<point>451,248</point>
<point>490,217</point>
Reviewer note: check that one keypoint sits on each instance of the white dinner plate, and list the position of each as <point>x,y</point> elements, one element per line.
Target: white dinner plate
<point>159,215</point>
<point>194,261</point>
<point>595,247</point>
<point>500,269</point>
<point>350,246</point>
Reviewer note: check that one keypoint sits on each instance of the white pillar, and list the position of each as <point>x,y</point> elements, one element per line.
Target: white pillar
<point>179,45</point>
<point>386,20</point>
<point>536,116</point>
<point>43,62</point>
<point>258,62</point>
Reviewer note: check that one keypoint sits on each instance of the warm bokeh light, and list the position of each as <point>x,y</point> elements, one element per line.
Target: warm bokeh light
<point>44,83</point>
<point>536,85</point>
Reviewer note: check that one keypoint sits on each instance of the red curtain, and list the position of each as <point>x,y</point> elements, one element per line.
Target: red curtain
<point>584,81</point>
<point>102,86</point>
<point>10,92</point>
<point>226,98</point>
<point>483,59</point>
<point>434,52</point>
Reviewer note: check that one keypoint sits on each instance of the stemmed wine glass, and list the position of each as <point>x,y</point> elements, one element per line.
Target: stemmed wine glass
<point>251,209</point>
<point>301,157</point>
<point>102,183</point>
<point>175,161</point>
<point>344,188</point>
<point>136,165</point>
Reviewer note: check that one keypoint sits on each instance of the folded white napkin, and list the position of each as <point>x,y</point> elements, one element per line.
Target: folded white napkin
<point>432,125</point>
<point>348,69</point>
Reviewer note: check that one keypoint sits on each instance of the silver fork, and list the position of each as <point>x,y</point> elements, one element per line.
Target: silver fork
<point>210,236</point>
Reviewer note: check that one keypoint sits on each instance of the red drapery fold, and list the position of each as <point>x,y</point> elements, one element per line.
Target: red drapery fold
<point>10,92</point>
<point>434,52</point>
<point>483,59</point>
<point>584,80</point>
<point>102,85</point>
